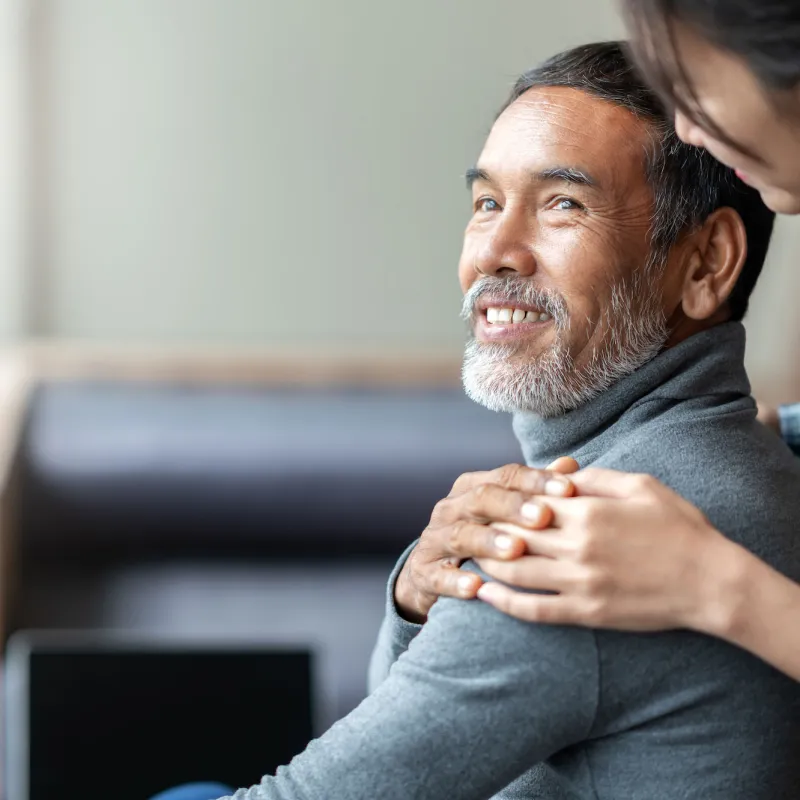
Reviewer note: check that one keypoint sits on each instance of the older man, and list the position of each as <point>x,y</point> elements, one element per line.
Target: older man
<point>605,268</point>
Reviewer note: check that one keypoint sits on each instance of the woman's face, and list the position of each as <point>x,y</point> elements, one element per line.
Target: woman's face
<point>764,124</point>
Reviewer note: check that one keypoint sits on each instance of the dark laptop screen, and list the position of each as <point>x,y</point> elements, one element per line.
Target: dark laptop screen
<point>126,724</point>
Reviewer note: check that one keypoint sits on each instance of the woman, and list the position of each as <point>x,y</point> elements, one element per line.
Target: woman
<point>640,557</point>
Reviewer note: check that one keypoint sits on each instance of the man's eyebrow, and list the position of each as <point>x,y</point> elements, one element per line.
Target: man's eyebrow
<point>476,174</point>
<point>577,177</point>
<point>568,175</point>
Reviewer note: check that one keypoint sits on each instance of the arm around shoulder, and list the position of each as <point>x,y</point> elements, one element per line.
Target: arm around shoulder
<point>754,606</point>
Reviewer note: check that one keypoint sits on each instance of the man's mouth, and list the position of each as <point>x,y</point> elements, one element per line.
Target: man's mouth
<point>496,322</point>
<point>513,316</point>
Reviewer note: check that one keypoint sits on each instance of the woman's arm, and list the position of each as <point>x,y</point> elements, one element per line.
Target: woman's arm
<point>631,554</point>
<point>763,613</point>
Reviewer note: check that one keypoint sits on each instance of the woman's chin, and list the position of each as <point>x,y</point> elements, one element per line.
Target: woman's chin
<point>781,201</point>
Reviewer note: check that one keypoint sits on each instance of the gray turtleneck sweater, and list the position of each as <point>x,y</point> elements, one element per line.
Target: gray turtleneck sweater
<point>476,705</point>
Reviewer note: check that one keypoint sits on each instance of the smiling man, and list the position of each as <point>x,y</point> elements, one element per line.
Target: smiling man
<point>558,260</point>
<point>605,270</point>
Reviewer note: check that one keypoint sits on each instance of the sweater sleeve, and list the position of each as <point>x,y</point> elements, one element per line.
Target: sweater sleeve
<point>395,634</point>
<point>476,700</point>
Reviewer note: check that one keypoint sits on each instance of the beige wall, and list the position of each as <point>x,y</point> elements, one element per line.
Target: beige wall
<point>13,157</point>
<point>773,326</point>
<point>263,172</point>
<point>270,171</point>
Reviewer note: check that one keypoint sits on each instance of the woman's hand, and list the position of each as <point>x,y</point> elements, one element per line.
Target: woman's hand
<point>626,553</point>
<point>768,415</point>
<point>462,526</point>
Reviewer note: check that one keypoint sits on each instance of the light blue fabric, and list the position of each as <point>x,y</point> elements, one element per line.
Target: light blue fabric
<point>789,417</point>
<point>195,791</point>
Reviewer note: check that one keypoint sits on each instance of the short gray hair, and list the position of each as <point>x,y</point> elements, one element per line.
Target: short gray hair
<point>688,183</point>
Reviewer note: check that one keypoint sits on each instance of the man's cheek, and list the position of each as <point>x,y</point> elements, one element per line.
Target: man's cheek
<point>584,316</point>
<point>467,274</point>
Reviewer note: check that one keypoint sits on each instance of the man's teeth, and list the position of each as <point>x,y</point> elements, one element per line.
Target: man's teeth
<point>504,316</point>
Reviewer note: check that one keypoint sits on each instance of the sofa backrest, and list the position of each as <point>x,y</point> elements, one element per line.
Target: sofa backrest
<point>112,469</point>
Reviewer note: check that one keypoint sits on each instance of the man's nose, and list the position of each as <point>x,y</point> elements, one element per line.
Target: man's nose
<point>507,250</point>
<point>687,131</point>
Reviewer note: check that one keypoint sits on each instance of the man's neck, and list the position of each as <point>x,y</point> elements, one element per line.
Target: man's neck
<point>704,370</point>
<point>682,327</point>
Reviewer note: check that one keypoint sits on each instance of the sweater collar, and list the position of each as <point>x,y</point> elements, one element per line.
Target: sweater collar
<point>704,369</point>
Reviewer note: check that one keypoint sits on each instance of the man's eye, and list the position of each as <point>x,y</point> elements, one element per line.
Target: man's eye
<point>566,204</point>
<point>486,204</point>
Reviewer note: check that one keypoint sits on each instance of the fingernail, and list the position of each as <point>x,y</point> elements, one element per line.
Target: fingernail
<point>532,512</point>
<point>504,543</point>
<point>489,592</point>
<point>557,487</point>
<point>466,585</point>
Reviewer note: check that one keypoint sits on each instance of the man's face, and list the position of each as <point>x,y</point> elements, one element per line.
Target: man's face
<point>559,242</point>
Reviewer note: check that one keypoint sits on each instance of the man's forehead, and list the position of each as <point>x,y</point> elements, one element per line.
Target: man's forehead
<point>569,124</point>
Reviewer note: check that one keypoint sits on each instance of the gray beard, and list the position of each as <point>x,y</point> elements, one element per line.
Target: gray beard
<point>499,376</point>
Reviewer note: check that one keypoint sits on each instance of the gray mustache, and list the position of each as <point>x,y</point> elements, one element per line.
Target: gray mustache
<point>517,291</point>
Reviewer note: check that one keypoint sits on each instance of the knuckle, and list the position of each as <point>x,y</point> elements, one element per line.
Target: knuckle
<point>481,491</point>
<point>522,606</point>
<point>586,547</point>
<point>480,498</point>
<point>529,610</point>
<point>443,581</point>
<point>488,500</point>
<point>589,516</point>
<point>499,570</point>
<point>509,604</point>
<point>442,509</point>
<point>596,612</point>
<point>646,484</point>
<point>538,611</point>
<point>515,572</point>
<point>508,475</point>
<point>462,482</point>
<point>596,585</point>
<point>457,534</point>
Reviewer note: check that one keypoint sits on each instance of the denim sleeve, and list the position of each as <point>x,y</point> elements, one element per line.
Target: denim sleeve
<point>789,416</point>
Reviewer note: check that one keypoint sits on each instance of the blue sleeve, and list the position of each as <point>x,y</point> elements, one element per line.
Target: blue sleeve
<point>789,416</point>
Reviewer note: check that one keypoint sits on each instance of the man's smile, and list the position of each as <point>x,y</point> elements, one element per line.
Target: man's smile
<point>498,320</point>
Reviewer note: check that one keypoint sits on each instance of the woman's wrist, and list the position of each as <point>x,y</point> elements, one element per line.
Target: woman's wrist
<point>748,603</point>
<point>725,577</point>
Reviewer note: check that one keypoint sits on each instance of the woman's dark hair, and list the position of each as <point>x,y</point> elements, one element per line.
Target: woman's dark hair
<point>765,34</point>
<point>688,184</point>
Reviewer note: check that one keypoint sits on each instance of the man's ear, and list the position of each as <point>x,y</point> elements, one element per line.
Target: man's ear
<point>715,263</point>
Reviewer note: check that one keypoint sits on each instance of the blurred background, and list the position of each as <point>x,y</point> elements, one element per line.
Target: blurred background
<point>229,234</point>
<point>259,174</point>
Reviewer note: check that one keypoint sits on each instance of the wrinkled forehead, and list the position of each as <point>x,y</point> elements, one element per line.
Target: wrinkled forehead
<point>549,126</point>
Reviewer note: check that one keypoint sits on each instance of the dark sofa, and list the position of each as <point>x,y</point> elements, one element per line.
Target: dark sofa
<point>232,512</point>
